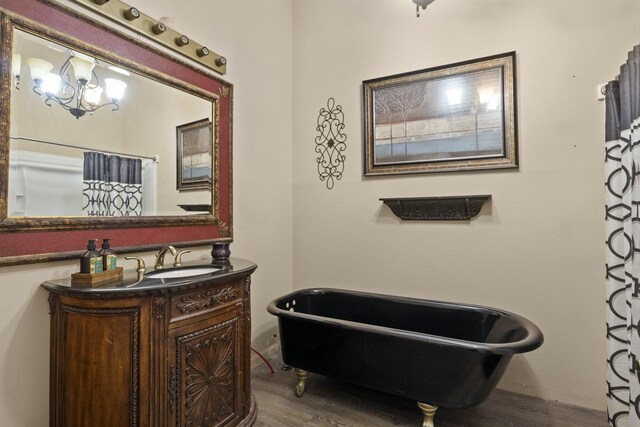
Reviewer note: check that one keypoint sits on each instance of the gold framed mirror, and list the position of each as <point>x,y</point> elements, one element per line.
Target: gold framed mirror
<point>77,155</point>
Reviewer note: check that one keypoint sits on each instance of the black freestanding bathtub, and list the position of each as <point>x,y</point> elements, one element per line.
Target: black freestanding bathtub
<point>439,354</point>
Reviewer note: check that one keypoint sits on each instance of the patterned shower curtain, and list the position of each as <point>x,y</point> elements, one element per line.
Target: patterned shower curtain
<point>112,185</point>
<point>622,169</point>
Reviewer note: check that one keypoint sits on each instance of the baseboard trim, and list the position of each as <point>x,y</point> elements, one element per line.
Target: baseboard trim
<point>268,353</point>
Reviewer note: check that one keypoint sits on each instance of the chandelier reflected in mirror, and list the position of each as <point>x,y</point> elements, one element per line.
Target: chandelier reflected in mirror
<point>79,97</point>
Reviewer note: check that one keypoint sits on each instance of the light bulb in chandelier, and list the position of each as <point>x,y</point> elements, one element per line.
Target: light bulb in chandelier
<point>16,62</point>
<point>51,84</point>
<point>39,69</point>
<point>93,94</point>
<point>115,88</point>
<point>82,69</point>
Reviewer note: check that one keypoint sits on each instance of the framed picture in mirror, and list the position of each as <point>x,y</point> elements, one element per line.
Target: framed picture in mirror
<point>194,155</point>
<point>456,117</point>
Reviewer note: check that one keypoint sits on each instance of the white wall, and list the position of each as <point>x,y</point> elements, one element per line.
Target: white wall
<point>256,39</point>
<point>537,248</point>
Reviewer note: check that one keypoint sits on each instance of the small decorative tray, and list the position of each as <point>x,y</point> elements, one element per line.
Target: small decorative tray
<point>101,278</point>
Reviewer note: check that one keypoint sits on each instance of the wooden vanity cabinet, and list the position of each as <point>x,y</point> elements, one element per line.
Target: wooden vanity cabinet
<point>206,363</point>
<point>100,362</point>
<point>159,356</point>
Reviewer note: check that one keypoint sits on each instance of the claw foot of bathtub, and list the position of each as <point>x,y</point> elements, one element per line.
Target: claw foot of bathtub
<point>302,378</point>
<point>429,412</point>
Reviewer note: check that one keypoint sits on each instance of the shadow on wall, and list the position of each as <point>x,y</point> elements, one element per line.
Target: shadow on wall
<point>24,374</point>
<point>526,378</point>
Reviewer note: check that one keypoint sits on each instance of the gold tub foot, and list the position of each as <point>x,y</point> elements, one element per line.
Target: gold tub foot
<point>302,378</point>
<point>429,412</point>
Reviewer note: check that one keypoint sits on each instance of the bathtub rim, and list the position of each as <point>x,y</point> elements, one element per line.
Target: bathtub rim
<point>532,341</point>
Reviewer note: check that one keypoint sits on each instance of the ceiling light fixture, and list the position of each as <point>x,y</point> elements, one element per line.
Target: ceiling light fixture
<point>422,4</point>
<point>80,98</point>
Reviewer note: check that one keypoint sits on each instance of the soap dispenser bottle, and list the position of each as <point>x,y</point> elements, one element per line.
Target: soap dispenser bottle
<point>91,261</point>
<point>108,256</point>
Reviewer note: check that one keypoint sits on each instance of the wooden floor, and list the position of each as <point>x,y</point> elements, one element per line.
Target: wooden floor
<point>328,402</point>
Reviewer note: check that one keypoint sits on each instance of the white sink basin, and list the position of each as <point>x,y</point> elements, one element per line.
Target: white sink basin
<point>182,272</point>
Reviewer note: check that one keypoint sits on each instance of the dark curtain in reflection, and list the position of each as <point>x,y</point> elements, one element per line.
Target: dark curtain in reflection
<point>112,185</point>
<point>622,204</point>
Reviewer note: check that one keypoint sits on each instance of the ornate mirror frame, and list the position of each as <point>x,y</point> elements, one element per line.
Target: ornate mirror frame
<point>38,239</point>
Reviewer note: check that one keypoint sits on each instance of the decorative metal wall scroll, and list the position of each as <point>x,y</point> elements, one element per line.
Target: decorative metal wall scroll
<point>330,144</point>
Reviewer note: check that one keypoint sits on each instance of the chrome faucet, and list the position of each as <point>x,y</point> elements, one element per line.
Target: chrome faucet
<point>160,256</point>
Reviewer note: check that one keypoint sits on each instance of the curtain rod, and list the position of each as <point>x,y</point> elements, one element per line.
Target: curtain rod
<point>25,138</point>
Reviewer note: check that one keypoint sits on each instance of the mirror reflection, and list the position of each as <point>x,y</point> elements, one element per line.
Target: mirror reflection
<point>89,138</point>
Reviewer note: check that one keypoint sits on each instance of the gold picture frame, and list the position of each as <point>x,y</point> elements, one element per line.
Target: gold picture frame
<point>194,166</point>
<point>456,117</point>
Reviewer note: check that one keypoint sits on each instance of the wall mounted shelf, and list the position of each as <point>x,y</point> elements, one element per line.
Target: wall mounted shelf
<point>444,208</point>
<point>196,208</point>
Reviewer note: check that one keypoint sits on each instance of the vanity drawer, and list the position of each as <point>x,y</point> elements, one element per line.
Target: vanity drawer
<point>201,301</point>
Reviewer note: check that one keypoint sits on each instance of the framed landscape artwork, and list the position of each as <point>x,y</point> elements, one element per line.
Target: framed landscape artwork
<point>456,117</point>
<point>194,155</point>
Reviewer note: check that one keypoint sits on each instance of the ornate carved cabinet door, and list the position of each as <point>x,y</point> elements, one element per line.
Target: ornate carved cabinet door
<point>206,371</point>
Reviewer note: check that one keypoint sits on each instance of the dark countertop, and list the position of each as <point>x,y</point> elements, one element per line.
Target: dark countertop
<point>133,284</point>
